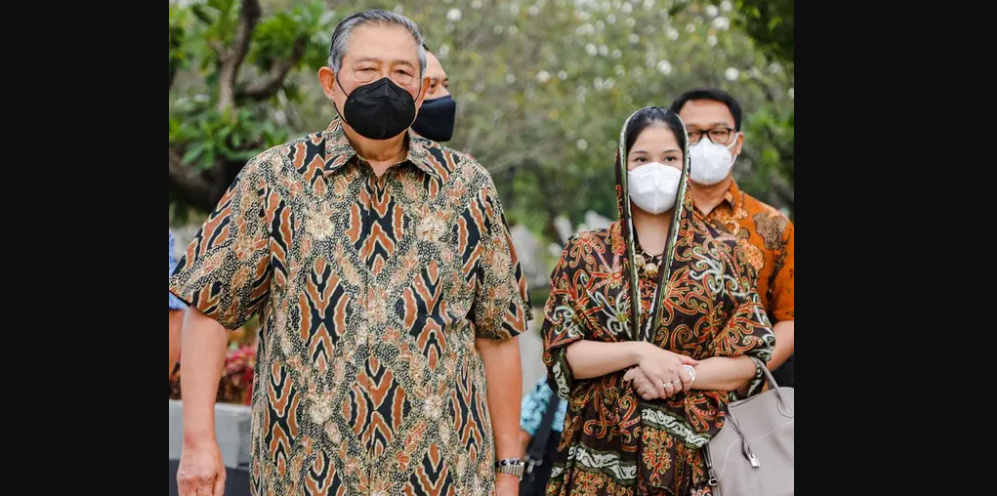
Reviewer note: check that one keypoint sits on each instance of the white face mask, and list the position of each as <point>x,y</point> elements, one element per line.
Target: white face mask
<point>711,163</point>
<point>654,187</point>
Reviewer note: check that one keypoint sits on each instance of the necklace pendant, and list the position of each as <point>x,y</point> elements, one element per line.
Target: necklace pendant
<point>651,270</point>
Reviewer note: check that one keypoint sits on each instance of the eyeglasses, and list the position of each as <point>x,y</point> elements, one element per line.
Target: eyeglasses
<point>720,136</point>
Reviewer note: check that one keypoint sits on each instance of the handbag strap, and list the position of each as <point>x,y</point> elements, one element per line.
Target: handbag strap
<point>774,386</point>
<point>539,447</point>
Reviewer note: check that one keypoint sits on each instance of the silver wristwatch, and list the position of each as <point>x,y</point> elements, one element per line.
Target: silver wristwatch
<point>514,467</point>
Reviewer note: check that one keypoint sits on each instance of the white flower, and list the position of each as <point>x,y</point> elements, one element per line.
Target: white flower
<point>634,39</point>
<point>712,10</point>
<point>543,77</point>
<point>582,145</point>
<point>617,53</point>
<point>690,28</point>
<point>665,67</point>
<point>721,23</point>
<point>477,5</point>
<point>733,74</point>
<point>592,50</point>
<point>627,8</point>
<point>433,407</point>
<point>510,79</point>
<point>712,41</point>
<point>792,93</point>
<point>318,225</point>
<point>534,10</point>
<point>498,29</point>
<point>603,50</point>
<point>563,75</point>
<point>502,266</point>
<point>673,34</point>
<point>455,15</point>
<point>321,412</point>
<point>513,30</point>
<point>726,6</point>
<point>333,433</point>
<point>611,19</point>
<point>431,229</point>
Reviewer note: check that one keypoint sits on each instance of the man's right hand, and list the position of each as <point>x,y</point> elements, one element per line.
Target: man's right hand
<point>202,470</point>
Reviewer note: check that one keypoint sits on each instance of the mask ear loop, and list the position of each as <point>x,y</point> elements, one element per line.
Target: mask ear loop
<point>342,115</point>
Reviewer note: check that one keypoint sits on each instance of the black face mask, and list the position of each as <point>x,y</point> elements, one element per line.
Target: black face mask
<point>436,119</point>
<point>380,110</point>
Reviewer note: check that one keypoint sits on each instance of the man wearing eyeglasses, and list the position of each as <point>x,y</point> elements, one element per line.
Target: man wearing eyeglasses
<point>714,120</point>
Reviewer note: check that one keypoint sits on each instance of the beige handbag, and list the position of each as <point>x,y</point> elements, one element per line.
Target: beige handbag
<point>754,454</point>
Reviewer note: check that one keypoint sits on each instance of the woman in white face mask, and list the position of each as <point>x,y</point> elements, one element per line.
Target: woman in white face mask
<point>652,327</point>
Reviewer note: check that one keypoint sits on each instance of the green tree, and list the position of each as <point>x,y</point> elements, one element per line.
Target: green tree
<point>772,23</point>
<point>543,87</point>
<point>230,88</point>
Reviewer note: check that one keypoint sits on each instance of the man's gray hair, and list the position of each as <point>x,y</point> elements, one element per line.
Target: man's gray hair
<point>341,38</point>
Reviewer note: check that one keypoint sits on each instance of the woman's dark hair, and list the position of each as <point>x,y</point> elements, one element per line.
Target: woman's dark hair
<point>656,116</point>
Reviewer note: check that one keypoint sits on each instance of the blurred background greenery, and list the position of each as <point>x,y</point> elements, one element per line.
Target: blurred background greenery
<point>542,86</point>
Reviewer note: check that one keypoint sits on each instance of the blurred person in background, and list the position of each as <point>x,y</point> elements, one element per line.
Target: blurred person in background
<point>438,114</point>
<point>541,435</point>
<point>715,121</point>
<point>176,315</point>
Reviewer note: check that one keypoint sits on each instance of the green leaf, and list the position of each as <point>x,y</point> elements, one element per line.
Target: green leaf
<point>193,154</point>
